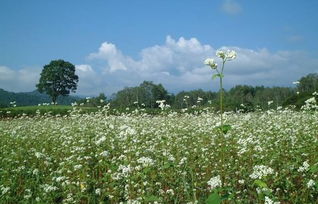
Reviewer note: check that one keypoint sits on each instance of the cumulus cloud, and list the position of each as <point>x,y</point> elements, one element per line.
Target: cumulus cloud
<point>177,64</point>
<point>231,7</point>
<point>18,80</point>
<point>115,59</point>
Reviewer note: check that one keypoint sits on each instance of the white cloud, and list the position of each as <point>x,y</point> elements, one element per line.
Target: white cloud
<point>177,64</point>
<point>19,80</point>
<point>109,52</point>
<point>231,7</point>
<point>89,80</point>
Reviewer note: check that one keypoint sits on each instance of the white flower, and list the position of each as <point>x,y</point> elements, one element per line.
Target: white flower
<point>47,188</point>
<point>35,172</point>
<point>170,191</point>
<point>100,140</point>
<point>59,179</point>
<point>261,171</point>
<point>241,181</point>
<point>145,161</point>
<point>310,183</point>
<point>38,154</point>
<point>226,55</point>
<point>77,167</point>
<point>220,54</point>
<point>104,153</point>
<point>211,63</point>
<point>311,100</point>
<point>304,167</point>
<point>98,191</point>
<point>5,190</point>
<point>214,182</point>
<point>269,201</point>
<point>230,55</point>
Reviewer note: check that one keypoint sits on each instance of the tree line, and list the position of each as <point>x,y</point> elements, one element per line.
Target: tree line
<point>59,79</point>
<point>243,97</point>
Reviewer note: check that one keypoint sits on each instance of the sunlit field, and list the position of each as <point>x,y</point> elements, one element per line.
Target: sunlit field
<point>168,158</point>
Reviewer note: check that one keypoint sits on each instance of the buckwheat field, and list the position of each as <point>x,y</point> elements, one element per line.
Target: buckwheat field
<point>266,157</point>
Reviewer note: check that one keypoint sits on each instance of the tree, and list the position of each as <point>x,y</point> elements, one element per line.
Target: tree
<point>100,100</point>
<point>309,83</point>
<point>58,78</point>
<point>147,93</point>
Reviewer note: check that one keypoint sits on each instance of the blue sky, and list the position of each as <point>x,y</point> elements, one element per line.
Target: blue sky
<point>121,43</point>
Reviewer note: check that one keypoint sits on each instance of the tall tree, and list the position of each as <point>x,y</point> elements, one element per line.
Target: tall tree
<point>58,78</point>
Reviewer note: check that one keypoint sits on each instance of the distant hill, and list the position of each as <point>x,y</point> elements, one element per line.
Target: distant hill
<point>32,98</point>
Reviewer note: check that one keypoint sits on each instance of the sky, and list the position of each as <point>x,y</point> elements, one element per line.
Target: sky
<point>116,43</point>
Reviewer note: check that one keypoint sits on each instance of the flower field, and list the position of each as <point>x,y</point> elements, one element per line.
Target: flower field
<point>266,157</point>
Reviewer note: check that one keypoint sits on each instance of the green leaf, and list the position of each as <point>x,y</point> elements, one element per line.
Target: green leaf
<point>214,198</point>
<point>217,75</point>
<point>167,165</point>
<point>225,128</point>
<point>152,198</point>
<point>260,183</point>
<point>314,169</point>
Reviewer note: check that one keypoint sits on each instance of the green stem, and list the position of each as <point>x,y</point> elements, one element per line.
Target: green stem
<point>221,94</point>
<point>221,114</point>
<point>221,101</point>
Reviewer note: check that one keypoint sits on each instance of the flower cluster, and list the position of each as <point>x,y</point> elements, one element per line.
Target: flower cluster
<point>304,167</point>
<point>261,171</point>
<point>226,55</point>
<point>211,63</point>
<point>145,161</point>
<point>215,182</point>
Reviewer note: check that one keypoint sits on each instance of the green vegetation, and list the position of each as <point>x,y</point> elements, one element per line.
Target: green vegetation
<point>58,79</point>
<point>147,94</point>
<point>41,110</point>
<point>96,157</point>
<point>31,98</point>
<point>250,97</point>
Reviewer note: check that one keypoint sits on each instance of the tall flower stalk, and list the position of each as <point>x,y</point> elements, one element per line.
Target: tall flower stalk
<point>225,56</point>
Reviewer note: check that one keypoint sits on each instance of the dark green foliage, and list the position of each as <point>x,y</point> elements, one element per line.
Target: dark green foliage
<point>100,100</point>
<point>240,97</point>
<point>58,78</point>
<point>31,98</point>
<point>298,100</point>
<point>146,94</point>
<point>306,87</point>
<point>309,83</point>
<point>187,99</point>
<point>213,198</point>
<point>259,96</point>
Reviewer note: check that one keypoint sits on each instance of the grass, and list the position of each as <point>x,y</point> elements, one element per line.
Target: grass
<point>166,158</point>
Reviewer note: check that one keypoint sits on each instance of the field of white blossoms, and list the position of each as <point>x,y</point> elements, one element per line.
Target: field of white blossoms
<point>266,157</point>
